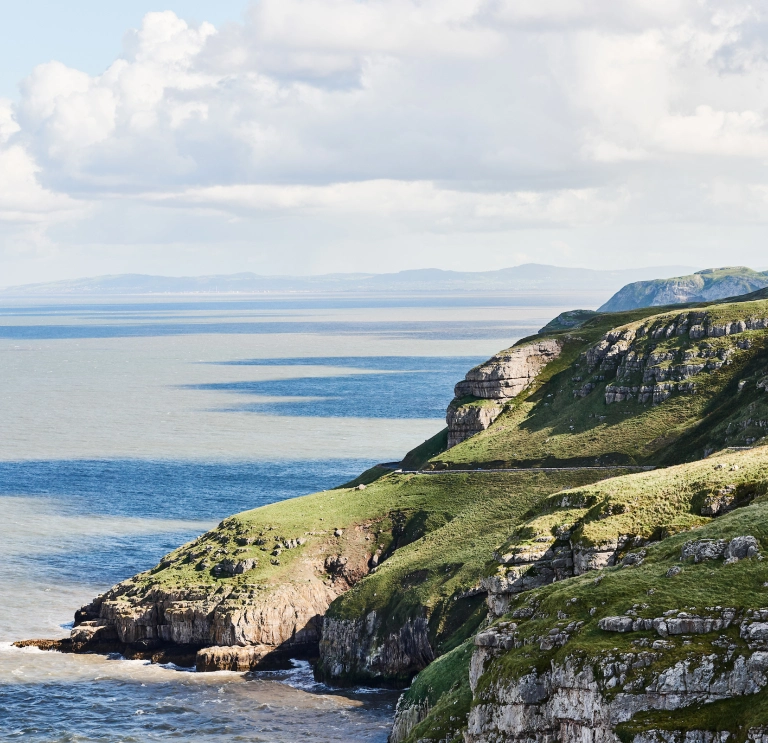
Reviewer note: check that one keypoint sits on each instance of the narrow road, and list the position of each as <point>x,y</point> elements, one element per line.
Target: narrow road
<point>395,467</point>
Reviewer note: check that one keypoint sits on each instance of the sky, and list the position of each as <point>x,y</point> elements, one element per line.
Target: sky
<point>311,136</point>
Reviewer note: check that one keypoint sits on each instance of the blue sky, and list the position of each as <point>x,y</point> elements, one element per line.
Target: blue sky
<point>314,136</point>
<point>85,34</point>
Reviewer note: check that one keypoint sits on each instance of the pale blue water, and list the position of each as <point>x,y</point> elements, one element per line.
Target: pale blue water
<point>127,428</point>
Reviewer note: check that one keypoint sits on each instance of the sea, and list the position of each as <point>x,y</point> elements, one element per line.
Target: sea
<point>129,425</point>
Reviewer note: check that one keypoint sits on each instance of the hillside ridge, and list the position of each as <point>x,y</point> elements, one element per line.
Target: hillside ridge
<point>525,277</point>
<point>712,284</point>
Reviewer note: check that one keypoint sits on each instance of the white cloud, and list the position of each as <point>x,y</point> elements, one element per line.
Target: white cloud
<point>425,117</point>
<point>417,202</point>
<point>22,198</point>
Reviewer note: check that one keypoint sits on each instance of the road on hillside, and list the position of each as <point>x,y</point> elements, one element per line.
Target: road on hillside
<point>395,467</point>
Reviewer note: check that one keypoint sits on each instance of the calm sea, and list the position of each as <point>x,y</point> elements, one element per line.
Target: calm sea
<point>129,427</point>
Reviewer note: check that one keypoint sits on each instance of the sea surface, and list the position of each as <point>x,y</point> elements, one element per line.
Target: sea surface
<point>128,427</point>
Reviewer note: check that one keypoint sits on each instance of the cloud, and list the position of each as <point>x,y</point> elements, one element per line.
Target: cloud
<point>421,203</point>
<point>22,198</point>
<point>472,118</point>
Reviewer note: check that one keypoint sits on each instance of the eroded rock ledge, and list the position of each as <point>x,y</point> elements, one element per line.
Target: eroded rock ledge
<point>491,384</point>
<point>241,620</point>
<point>363,649</point>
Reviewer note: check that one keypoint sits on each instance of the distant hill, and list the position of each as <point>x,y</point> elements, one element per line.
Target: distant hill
<point>702,286</point>
<point>528,277</point>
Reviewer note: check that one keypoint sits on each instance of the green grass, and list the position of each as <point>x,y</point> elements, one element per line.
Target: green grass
<point>444,686</point>
<point>547,426</point>
<point>697,587</point>
<point>648,504</point>
<point>659,497</point>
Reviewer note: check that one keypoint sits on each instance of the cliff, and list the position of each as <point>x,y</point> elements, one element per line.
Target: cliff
<point>479,397</point>
<point>704,286</point>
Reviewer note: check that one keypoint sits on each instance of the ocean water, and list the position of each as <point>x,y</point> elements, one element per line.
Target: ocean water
<point>129,427</point>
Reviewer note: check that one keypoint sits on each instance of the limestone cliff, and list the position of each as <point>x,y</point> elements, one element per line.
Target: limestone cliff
<point>479,397</point>
<point>359,650</point>
<point>587,699</point>
<point>217,599</point>
<point>639,371</point>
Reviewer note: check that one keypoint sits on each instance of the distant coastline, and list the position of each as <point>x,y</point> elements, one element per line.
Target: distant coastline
<point>531,277</point>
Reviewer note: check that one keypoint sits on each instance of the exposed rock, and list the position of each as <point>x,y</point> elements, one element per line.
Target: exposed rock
<point>615,624</point>
<point>508,373</point>
<point>679,736</point>
<point>287,617</point>
<point>362,649</point>
<point>682,624</point>
<point>467,420</point>
<point>237,658</point>
<point>571,703</point>
<point>499,379</point>
<point>234,567</point>
<point>407,717</point>
<point>738,548</point>
<point>720,502</point>
<point>645,374</point>
<point>703,549</point>
<point>537,565</point>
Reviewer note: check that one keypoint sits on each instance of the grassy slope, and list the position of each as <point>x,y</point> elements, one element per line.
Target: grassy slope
<point>740,585</point>
<point>438,531</point>
<point>548,426</point>
<point>453,523</point>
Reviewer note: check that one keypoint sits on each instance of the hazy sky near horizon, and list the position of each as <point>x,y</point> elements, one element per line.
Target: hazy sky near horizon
<point>310,136</point>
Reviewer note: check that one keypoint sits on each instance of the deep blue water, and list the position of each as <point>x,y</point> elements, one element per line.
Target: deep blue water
<point>415,387</point>
<point>172,490</point>
<point>168,490</point>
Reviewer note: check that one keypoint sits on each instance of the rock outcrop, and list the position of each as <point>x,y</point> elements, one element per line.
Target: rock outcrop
<point>238,626</point>
<point>499,379</point>
<point>580,700</point>
<point>467,420</point>
<point>539,564</point>
<point>507,374</point>
<point>640,371</point>
<point>233,616</point>
<point>407,717</point>
<point>364,649</point>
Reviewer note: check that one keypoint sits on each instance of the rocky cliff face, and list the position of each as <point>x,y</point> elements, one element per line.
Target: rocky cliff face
<point>467,420</point>
<point>254,621</point>
<point>497,380</point>
<point>360,649</point>
<point>232,616</point>
<point>644,368</point>
<point>580,700</point>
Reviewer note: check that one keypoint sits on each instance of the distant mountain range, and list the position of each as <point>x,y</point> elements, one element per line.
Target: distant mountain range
<point>703,286</point>
<point>530,277</point>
